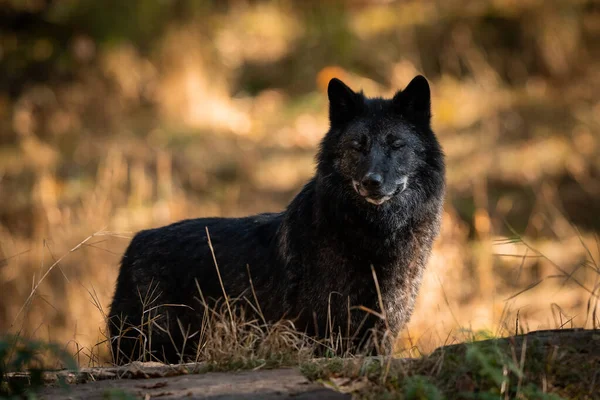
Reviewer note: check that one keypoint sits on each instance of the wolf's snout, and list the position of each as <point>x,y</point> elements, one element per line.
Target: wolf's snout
<point>372,181</point>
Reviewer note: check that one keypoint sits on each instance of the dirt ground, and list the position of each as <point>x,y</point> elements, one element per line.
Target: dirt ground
<point>261,384</point>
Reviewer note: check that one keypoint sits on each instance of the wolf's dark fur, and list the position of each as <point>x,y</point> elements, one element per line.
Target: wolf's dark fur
<point>375,200</point>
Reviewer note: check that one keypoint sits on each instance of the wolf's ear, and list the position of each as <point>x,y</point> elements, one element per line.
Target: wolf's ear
<point>343,102</point>
<point>414,102</point>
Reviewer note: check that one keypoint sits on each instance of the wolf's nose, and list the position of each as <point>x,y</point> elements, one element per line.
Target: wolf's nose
<point>372,181</point>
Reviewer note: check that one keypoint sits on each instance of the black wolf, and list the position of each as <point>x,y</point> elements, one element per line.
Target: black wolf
<point>374,204</point>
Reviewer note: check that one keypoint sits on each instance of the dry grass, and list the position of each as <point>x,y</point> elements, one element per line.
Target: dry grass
<point>234,336</point>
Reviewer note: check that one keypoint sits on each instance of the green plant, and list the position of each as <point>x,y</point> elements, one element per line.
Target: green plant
<point>493,365</point>
<point>419,387</point>
<point>18,355</point>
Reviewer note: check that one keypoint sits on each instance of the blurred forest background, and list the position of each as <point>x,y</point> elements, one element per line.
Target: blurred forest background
<point>117,116</point>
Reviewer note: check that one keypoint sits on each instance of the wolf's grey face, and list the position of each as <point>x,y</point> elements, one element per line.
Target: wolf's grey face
<point>379,143</point>
<point>378,159</point>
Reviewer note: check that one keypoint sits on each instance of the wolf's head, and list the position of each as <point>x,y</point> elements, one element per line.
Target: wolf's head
<point>380,149</point>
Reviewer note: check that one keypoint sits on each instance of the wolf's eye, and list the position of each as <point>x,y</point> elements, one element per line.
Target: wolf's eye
<point>355,145</point>
<point>397,144</point>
